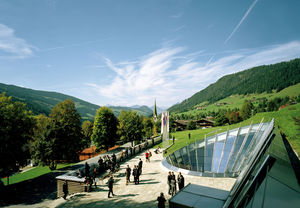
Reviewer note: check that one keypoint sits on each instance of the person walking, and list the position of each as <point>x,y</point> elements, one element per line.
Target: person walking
<point>140,166</point>
<point>180,180</point>
<point>110,186</point>
<point>65,189</point>
<point>128,173</point>
<point>114,159</point>
<point>147,156</point>
<point>169,182</point>
<point>161,200</point>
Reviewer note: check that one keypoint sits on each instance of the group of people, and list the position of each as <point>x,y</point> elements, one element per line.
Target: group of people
<point>136,172</point>
<point>172,182</point>
<point>108,163</point>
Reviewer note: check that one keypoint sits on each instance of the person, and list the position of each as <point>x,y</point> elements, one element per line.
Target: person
<point>173,186</point>
<point>180,180</point>
<point>110,186</point>
<point>79,175</point>
<point>161,200</point>
<point>140,166</point>
<point>157,150</point>
<point>128,173</point>
<point>147,156</point>
<point>150,155</point>
<point>95,179</point>
<point>169,182</point>
<point>174,178</point>
<point>65,189</point>
<point>189,135</point>
<point>114,159</point>
<point>100,162</point>
<point>87,169</point>
<point>135,174</point>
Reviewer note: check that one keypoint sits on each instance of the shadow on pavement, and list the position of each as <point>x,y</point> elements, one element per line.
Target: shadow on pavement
<point>111,203</point>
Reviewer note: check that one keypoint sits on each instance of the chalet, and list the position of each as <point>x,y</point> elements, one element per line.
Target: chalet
<point>181,125</point>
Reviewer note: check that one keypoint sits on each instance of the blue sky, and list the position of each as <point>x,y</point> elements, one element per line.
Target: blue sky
<point>134,51</point>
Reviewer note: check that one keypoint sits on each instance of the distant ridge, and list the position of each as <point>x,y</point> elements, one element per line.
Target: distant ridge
<point>43,101</point>
<point>255,80</point>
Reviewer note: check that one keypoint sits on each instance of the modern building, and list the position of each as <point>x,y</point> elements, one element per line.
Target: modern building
<point>266,169</point>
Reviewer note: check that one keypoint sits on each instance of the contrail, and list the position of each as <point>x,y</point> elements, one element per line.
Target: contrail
<point>241,21</point>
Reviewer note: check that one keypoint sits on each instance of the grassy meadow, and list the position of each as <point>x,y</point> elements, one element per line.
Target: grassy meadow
<point>236,101</point>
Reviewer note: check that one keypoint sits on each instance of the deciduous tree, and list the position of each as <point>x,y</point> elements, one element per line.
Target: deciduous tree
<point>16,129</point>
<point>105,128</point>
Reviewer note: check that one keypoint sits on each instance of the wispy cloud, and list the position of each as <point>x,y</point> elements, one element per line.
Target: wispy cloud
<point>12,46</point>
<point>169,78</point>
<point>241,21</point>
<point>72,45</point>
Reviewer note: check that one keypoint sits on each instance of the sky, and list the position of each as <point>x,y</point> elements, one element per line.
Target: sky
<point>131,52</point>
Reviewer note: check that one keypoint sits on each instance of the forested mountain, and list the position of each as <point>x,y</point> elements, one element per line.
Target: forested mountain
<point>255,80</point>
<point>42,102</point>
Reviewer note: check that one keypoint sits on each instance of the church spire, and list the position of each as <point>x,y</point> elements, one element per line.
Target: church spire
<point>154,112</point>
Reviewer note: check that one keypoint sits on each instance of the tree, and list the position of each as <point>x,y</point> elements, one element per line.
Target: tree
<point>16,129</point>
<point>105,128</point>
<point>130,126</point>
<point>147,127</point>
<point>66,123</point>
<point>246,110</point>
<point>191,125</point>
<point>221,118</point>
<point>46,145</point>
<point>87,131</point>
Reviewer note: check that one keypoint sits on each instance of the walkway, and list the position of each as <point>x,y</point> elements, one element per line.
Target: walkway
<point>152,181</point>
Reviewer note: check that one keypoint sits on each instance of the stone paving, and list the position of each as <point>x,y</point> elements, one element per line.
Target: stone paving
<point>152,181</point>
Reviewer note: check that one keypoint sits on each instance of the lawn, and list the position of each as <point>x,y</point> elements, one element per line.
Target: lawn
<point>283,119</point>
<point>32,173</point>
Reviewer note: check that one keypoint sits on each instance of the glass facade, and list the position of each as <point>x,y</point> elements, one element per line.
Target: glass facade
<point>225,153</point>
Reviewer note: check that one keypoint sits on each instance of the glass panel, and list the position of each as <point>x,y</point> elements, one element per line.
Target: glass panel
<point>185,158</point>
<point>180,163</point>
<point>227,149</point>
<point>193,160</point>
<point>218,152</point>
<point>238,143</point>
<point>209,153</point>
<point>173,158</point>
<point>200,154</point>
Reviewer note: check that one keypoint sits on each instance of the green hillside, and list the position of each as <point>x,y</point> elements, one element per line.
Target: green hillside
<point>42,102</point>
<point>284,119</point>
<point>236,101</point>
<point>255,80</point>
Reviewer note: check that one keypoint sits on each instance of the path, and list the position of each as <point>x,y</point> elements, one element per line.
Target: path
<point>152,181</point>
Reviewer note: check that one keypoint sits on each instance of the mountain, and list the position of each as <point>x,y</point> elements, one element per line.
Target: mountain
<point>159,110</point>
<point>259,79</point>
<point>141,110</point>
<point>43,101</point>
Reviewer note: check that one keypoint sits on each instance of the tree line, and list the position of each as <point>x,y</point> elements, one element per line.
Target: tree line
<point>59,137</point>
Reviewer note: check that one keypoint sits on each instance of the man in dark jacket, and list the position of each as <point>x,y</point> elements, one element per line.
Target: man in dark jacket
<point>128,172</point>
<point>140,166</point>
<point>135,174</point>
<point>110,186</point>
<point>169,182</point>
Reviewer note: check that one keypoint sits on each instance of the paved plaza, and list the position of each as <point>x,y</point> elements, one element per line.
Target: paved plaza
<point>152,181</point>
